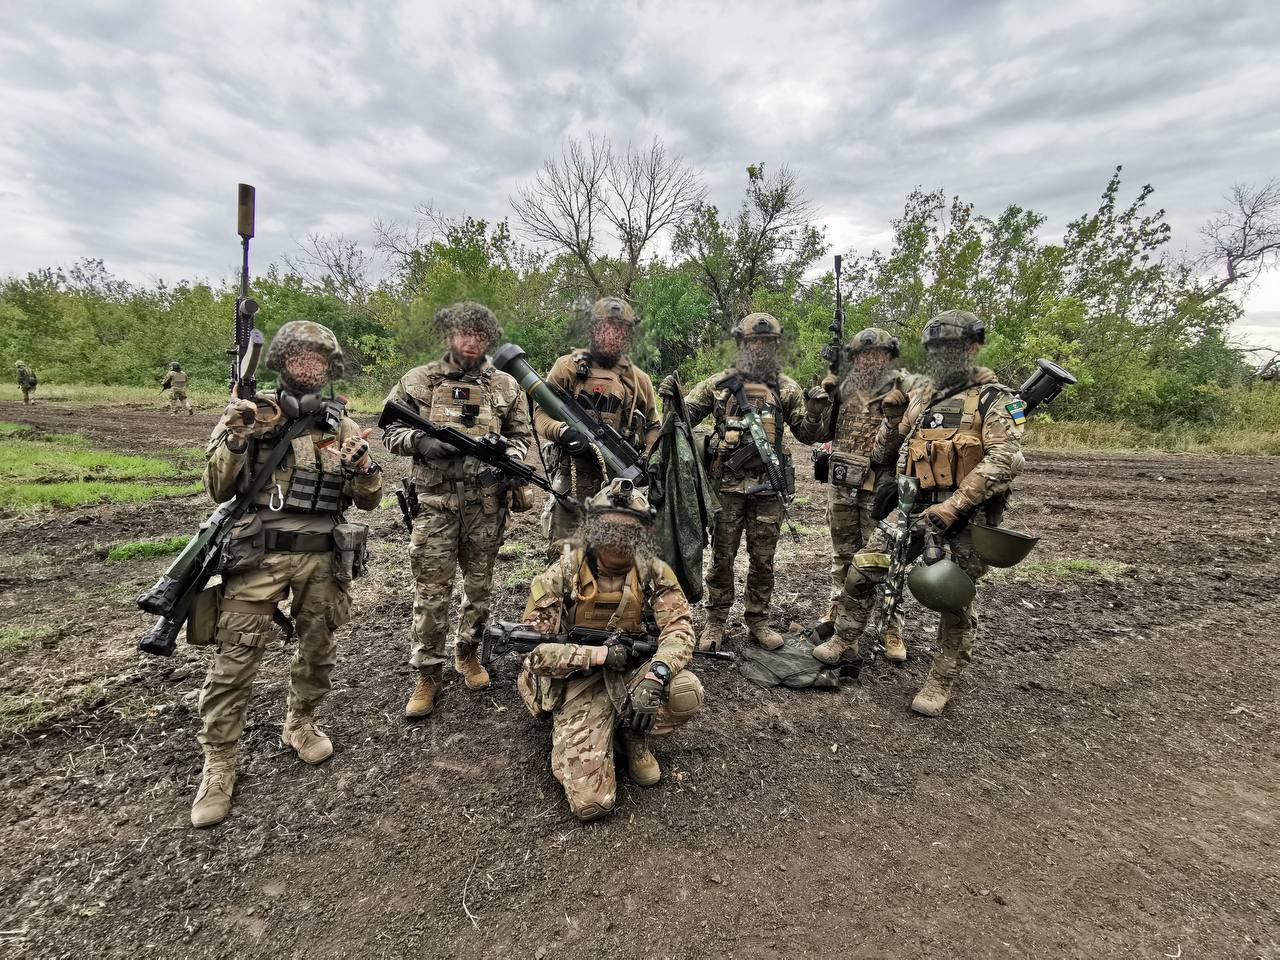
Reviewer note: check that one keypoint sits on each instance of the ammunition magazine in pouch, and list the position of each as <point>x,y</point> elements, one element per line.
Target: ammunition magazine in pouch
<point>202,622</point>
<point>821,465</point>
<point>350,551</point>
<point>245,547</point>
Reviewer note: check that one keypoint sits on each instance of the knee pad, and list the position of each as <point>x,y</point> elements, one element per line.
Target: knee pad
<point>865,572</point>
<point>686,696</point>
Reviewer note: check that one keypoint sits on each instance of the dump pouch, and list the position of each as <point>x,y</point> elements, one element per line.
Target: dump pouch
<point>202,622</point>
<point>245,547</point>
<point>350,551</point>
<point>849,470</point>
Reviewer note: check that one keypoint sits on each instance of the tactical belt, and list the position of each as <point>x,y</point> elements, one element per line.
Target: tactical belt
<point>284,541</point>
<point>260,607</point>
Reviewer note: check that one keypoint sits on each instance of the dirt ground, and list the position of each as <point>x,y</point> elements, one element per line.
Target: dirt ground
<point>1105,783</point>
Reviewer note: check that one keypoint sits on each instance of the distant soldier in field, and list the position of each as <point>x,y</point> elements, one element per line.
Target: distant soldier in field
<point>176,382</point>
<point>26,382</point>
<point>869,390</point>
<point>597,696</point>
<point>461,500</point>
<point>747,505</point>
<point>611,388</point>
<point>292,543</point>
<point>961,438</point>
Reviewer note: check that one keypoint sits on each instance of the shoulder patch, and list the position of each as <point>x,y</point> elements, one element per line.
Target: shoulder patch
<point>1018,410</point>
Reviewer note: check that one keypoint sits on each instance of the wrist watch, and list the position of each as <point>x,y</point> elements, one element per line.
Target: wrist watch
<point>660,672</point>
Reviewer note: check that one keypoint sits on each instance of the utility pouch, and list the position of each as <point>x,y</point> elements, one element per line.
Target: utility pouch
<point>821,465</point>
<point>522,498</point>
<point>245,546</point>
<point>202,622</point>
<point>350,551</point>
<point>789,474</point>
<point>968,450</point>
<point>919,463</point>
<point>849,470</point>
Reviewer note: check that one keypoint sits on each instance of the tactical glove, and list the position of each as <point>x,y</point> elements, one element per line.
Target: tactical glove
<point>429,448</point>
<point>615,656</point>
<point>816,403</point>
<point>667,388</point>
<point>238,430</point>
<point>645,701</point>
<point>354,454</point>
<point>573,441</point>
<point>941,517</point>
<point>894,405</point>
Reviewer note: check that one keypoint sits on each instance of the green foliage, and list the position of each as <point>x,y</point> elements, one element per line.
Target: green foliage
<point>147,548</point>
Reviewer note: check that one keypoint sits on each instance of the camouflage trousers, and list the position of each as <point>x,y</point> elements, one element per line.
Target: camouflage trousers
<point>584,729</point>
<point>956,631</point>
<point>760,518</point>
<point>443,540</point>
<point>26,395</point>
<point>319,605</point>
<point>852,526</point>
<point>177,401</point>
<point>582,482</point>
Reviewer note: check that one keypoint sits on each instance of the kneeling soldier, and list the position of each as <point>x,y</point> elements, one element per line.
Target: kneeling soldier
<point>613,582</point>
<point>291,543</point>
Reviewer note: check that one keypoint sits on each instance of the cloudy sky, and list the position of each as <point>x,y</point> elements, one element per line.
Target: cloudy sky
<point>125,126</point>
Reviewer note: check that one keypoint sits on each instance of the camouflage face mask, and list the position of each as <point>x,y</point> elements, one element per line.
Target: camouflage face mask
<point>948,363</point>
<point>624,534</point>
<point>865,372</point>
<point>758,358</point>
<point>610,340</point>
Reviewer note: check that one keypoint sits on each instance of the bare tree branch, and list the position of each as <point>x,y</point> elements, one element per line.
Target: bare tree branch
<point>1245,237</point>
<point>336,264</point>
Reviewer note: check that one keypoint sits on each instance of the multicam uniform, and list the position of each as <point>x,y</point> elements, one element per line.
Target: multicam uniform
<point>284,547</point>
<point>175,381</point>
<point>620,396</point>
<point>26,382</point>
<point>758,515</point>
<point>585,700</point>
<point>459,500</point>
<point>965,448</point>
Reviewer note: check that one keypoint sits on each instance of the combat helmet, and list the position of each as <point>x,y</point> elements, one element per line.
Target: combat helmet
<point>954,325</point>
<point>941,586</point>
<point>1000,546</point>
<point>175,365</point>
<point>615,310</point>
<point>872,338</point>
<point>621,496</point>
<point>757,325</point>
<point>304,335</point>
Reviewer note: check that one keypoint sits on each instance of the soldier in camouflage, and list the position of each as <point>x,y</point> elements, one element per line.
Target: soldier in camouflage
<point>869,390</point>
<point>780,403</point>
<point>610,388</point>
<point>26,382</point>
<point>461,500</point>
<point>597,696</point>
<point>175,381</point>
<point>961,438</point>
<point>292,543</point>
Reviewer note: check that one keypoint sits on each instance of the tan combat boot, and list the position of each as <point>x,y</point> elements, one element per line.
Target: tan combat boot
<point>764,636</point>
<point>895,651</point>
<point>836,650</point>
<point>641,763</point>
<point>306,739</point>
<point>467,662</point>
<point>933,696</point>
<point>712,635</point>
<point>423,699</point>
<point>213,799</point>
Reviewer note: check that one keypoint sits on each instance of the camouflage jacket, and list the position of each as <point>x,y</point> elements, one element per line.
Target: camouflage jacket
<point>177,379</point>
<point>26,378</point>
<point>625,389</point>
<point>996,431</point>
<point>505,412</point>
<point>852,426</point>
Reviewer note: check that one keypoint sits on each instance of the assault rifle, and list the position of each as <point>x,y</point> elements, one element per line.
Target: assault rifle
<point>246,351</point>
<point>743,459</point>
<point>504,636</point>
<point>621,459</point>
<point>833,348</point>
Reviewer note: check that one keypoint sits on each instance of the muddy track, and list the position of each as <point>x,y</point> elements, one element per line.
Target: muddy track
<point>1104,785</point>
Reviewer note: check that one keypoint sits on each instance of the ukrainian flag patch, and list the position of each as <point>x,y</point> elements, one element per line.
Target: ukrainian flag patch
<point>1017,410</point>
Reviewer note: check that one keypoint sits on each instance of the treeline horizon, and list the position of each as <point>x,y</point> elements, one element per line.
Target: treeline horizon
<point>1146,333</point>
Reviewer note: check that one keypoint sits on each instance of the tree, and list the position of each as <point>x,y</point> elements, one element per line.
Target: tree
<point>768,245</point>
<point>336,265</point>
<point>591,189</point>
<point>1245,237</point>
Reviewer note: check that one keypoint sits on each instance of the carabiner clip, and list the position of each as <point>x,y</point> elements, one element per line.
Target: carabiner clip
<point>276,503</point>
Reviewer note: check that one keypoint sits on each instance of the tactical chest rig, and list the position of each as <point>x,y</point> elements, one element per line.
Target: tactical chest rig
<point>177,380</point>
<point>312,480</point>
<point>857,424</point>
<point>610,397</point>
<point>946,443</point>
<point>729,437</point>
<point>450,400</point>
<point>615,610</point>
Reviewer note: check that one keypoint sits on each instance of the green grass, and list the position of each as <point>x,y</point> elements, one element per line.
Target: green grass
<point>525,570</point>
<point>15,639</point>
<point>147,548</point>
<point>513,549</point>
<point>1065,568</point>
<point>41,470</point>
<point>20,713</point>
<point>1084,436</point>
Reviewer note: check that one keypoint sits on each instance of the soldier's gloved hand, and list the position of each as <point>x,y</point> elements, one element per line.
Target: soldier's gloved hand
<point>645,701</point>
<point>612,656</point>
<point>429,448</point>
<point>354,454</point>
<point>894,404</point>
<point>573,441</point>
<point>940,518</point>
<point>830,383</point>
<point>816,402</point>
<point>667,388</point>
<point>240,415</point>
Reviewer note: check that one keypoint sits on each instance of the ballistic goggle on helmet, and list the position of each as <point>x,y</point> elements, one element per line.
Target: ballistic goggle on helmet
<point>954,325</point>
<point>621,496</point>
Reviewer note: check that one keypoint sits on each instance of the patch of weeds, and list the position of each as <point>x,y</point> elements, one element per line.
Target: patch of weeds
<point>31,563</point>
<point>147,548</point>
<point>15,639</point>
<point>1067,568</point>
<point>526,570</point>
<point>513,549</point>
<point>20,713</point>
<point>800,501</point>
<point>28,496</point>
<point>807,531</point>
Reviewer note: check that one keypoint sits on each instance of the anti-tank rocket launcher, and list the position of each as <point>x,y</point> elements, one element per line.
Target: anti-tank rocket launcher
<point>621,459</point>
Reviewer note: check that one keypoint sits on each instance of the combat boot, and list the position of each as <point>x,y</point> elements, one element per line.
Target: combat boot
<point>837,650</point>
<point>213,799</point>
<point>895,651</point>
<point>423,699</point>
<point>712,635</point>
<point>764,636</point>
<point>642,765</point>
<point>306,739</point>
<point>467,663</point>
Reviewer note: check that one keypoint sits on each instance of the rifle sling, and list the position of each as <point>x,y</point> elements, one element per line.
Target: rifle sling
<point>259,481</point>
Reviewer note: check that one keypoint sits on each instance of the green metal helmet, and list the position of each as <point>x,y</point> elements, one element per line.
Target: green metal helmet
<point>621,496</point>
<point>174,365</point>
<point>614,309</point>
<point>941,586</point>
<point>1001,547</point>
<point>757,325</point>
<point>954,325</point>
<point>872,338</point>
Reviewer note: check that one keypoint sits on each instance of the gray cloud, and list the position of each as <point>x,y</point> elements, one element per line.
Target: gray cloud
<point>127,126</point>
